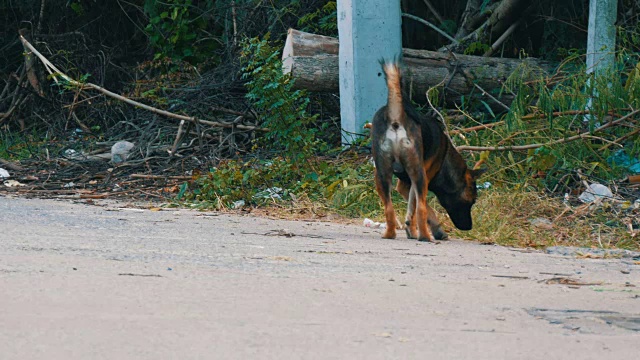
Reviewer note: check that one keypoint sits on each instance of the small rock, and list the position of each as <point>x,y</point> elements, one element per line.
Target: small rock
<point>542,223</point>
<point>120,151</point>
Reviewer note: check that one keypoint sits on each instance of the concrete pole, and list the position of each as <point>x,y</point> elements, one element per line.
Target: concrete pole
<point>601,42</point>
<point>369,30</point>
<point>601,36</point>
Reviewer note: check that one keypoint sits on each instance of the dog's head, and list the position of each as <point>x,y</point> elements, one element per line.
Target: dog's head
<point>460,198</point>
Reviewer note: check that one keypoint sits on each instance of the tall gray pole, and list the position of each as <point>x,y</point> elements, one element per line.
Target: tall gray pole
<point>601,36</point>
<point>369,30</point>
<point>601,41</point>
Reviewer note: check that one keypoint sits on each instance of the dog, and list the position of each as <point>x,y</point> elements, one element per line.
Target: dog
<point>414,148</point>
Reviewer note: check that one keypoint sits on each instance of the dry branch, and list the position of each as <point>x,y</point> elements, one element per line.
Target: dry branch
<point>583,135</point>
<point>29,62</point>
<point>159,177</point>
<point>425,22</point>
<point>434,11</point>
<point>502,18</point>
<point>11,166</point>
<point>55,72</point>
<point>472,17</point>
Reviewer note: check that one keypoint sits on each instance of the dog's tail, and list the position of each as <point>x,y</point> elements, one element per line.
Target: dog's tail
<point>395,110</point>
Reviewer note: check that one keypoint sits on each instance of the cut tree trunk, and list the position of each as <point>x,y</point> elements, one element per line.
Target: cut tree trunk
<point>312,60</point>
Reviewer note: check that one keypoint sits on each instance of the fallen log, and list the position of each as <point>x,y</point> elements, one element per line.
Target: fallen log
<point>312,60</point>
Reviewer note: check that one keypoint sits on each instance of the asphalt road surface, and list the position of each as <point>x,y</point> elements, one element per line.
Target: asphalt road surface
<point>82,281</point>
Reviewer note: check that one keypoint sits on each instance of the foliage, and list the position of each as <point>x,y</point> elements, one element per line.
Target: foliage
<point>508,217</point>
<point>344,186</point>
<point>323,21</point>
<point>547,110</point>
<point>175,25</point>
<point>476,48</point>
<point>16,146</point>
<point>284,110</point>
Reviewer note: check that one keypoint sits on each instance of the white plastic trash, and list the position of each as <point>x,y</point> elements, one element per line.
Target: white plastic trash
<point>4,174</point>
<point>595,191</point>
<point>373,224</point>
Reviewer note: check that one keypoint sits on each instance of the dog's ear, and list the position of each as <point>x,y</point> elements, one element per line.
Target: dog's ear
<point>476,173</point>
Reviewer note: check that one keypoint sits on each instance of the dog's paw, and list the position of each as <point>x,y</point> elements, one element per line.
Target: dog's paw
<point>429,240</point>
<point>410,235</point>
<point>439,234</point>
<point>389,233</point>
<point>410,230</point>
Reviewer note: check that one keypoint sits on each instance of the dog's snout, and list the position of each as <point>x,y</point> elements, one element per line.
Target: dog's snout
<point>395,126</point>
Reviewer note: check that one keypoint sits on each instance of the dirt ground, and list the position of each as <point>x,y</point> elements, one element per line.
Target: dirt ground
<point>105,281</point>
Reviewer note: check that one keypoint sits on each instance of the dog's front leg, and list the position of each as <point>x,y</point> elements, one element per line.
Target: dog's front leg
<point>434,225</point>
<point>383,186</point>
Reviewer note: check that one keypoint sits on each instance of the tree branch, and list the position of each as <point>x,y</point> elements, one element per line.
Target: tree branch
<point>434,11</point>
<point>583,135</point>
<point>413,17</point>
<point>55,72</point>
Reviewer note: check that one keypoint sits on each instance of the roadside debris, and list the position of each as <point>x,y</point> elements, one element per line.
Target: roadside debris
<point>4,174</point>
<point>511,277</point>
<point>13,183</point>
<point>373,224</point>
<point>569,281</point>
<point>542,223</point>
<point>270,193</point>
<point>120,151</point>
<point>621,158</point>
<point>595,191</point>
<point>594,253</point>
<point>141,275</point>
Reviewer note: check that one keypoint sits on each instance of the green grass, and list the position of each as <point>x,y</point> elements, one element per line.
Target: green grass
<point>344,189</point>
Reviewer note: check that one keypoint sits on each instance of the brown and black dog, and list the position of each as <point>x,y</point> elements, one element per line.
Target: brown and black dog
<point>415,149</point>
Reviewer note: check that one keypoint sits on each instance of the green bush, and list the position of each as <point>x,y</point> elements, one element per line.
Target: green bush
<point>283,110</point>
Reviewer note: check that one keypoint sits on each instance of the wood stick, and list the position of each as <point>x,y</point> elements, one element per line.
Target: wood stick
<point>162,177</point>
<point>502,38</point>
<point>475,128</point>
<point>434,11</point>
<point>425,22</point>
<point>484,92</point>
<point>178,137</point>
<point>555,142</point>
<point>11,166</point>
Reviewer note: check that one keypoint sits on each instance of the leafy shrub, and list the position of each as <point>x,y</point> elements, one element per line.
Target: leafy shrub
<point>174,26</point>
<point>284,110</point>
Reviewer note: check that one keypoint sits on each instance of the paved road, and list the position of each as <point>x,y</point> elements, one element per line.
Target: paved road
<point>82,281</point>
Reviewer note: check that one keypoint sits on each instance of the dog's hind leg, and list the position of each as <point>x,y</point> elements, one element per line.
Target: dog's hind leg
<point>419,188</point>
<point>410,219</point>
<point>404,188</point>
<point>383,185</point>
<point>412,232</point>
<point>422,210</point>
